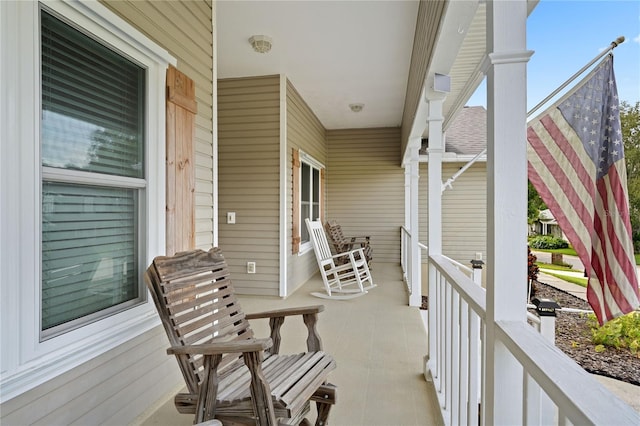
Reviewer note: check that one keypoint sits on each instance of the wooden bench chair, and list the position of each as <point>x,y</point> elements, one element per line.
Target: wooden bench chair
<point>344,274</point>
<point>231,375</point>
<point>341,243</point>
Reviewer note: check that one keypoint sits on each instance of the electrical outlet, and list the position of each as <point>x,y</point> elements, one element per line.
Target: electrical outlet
<point>251,267</point>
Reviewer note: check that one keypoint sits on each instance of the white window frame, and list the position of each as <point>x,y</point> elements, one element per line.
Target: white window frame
<point>307,159</point>
<point>25,360</point>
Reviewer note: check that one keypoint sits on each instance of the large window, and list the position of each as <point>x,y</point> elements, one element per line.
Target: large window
<point>308,193</point>
<point>309,196</point>
<point>93,178</point>
<point>82,170</point>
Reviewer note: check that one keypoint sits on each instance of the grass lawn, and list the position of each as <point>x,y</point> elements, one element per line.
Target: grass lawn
<point>553,267</point>
<point>581,281</point>
<point>568,251</point>
<point>548,269</point>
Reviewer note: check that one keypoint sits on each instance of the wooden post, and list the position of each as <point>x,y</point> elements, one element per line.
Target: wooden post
<point>556,259</point>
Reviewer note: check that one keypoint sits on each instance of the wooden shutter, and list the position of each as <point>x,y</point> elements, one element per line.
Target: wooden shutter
<point>181,113</point>
<point>295,241</point>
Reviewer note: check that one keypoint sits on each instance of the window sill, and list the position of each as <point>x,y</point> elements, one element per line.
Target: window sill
<point>39,370</point>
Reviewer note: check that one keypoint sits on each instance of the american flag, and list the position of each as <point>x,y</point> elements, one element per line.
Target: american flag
<point>576,163</point>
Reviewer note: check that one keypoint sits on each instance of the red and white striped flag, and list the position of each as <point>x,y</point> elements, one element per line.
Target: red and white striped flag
<point>576,163</point>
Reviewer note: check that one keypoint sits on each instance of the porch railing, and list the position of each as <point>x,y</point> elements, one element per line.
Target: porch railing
<point>554,388</point>
<point>405,258</point>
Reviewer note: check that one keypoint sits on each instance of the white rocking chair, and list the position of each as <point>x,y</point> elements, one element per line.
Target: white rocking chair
<point>344,274</point>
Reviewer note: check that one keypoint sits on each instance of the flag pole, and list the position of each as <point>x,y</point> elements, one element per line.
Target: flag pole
<point>612,46</point>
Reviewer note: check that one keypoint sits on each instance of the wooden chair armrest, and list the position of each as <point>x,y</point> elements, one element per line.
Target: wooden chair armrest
<point>286,312</point>
<point>244,346</point>
<point>276,319</point>
<point>349,253</point>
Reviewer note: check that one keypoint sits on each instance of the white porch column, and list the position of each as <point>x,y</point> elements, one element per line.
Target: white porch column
<point>436,149</point>
<point>414,226</point>
<point>506,203</point>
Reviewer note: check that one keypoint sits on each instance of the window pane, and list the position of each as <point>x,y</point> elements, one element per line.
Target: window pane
<point>89,251</point>
<point>305,194</point>
<point>316,186</point>
<point>304,213</point>
<point>92,104</point>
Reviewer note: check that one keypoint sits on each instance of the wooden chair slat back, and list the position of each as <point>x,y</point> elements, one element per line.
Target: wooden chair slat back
<point>340,242</point>
<point>194,296</point>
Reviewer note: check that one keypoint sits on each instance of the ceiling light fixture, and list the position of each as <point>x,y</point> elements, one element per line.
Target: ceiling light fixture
<point>356,107</point>
<point>261,43</point>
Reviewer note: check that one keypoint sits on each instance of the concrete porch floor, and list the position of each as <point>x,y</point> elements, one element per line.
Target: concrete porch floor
<point>378,342</point>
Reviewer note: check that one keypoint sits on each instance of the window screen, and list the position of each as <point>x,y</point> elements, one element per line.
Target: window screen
<point>92,121</point>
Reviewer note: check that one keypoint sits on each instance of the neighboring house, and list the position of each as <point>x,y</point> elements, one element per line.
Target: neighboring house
<point>547,225</point>
<point>120,141</point>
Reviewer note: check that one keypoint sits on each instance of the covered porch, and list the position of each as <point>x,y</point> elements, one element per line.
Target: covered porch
<point>480,349</point>
<point>385,375</point>
<point>379,343</point>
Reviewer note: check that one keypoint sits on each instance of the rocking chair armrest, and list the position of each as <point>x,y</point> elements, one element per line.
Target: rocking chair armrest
<point>358,250</point>
<point>244,346</point>
<point>360,239</point>
<point>302,310</point>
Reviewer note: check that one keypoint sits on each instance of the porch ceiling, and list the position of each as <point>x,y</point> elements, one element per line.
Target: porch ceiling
<point>341,52</point>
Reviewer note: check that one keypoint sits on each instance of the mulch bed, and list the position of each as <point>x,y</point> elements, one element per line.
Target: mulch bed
<point>573,337</point>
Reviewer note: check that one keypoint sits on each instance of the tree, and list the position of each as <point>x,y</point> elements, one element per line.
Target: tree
<point>630,123</point>
<point>534,204</point>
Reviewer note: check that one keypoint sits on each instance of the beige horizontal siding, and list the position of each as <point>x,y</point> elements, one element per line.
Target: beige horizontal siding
<point>464,211</point>
<point>366,187</point>
<point>184,29</point>
<point>305,133</point>
<point>119,385</point>
<point>249,158</point>
<point>113,388</point>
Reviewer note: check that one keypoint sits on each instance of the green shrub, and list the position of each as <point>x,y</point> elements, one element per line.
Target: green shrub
<point>547,242</point>
<point>622,332</point>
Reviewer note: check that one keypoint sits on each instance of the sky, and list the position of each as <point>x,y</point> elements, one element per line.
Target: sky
<point>566,34</point>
